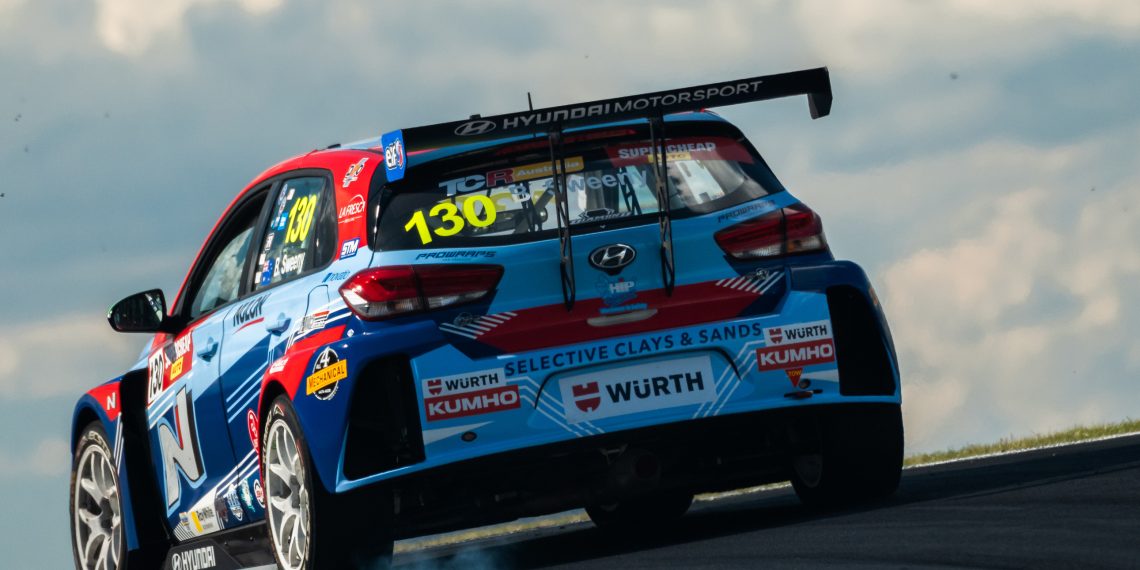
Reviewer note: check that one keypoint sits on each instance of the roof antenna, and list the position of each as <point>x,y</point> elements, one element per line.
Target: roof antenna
<point>529,103</point>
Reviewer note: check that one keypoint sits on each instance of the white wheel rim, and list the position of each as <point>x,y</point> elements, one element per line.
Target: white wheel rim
<point>287,498</point>
<point>96,511</point>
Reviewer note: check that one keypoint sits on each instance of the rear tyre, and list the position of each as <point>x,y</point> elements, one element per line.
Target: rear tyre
<point>648,510</point>
<point>310,528</point>
<point>860,458</point>
<point>96,507</point>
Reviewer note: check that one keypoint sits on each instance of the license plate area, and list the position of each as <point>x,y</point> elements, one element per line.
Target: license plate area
<point>639,388</point>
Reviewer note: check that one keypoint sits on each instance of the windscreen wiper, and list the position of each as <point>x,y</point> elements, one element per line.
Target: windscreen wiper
<point>562,213</point>
<point>664,221</point>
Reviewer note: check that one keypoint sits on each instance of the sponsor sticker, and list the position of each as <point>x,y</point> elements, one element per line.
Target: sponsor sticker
<point>395,159</point>
<point>353,173</point>
<point>339,276</point>
<point>278,365</point>
<point>794,375</point>
<point>328,371</point>
<point>635,389</point>
<point>795,355</point>
<point>167,364</point>
<point>472,403</point>
<point>800,332</point>
<point>199,558</point>
<point>469,394</point>
<point>258,493</point>
<point>246,495</point>
<point>234,504</point>
<point>249,312</point>
<point>349,247</point>
<point>251,424</point>
<point>466,382</point>
<point>352,210</point>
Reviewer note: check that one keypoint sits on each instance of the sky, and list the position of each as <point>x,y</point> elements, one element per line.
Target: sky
<point>980,162</point>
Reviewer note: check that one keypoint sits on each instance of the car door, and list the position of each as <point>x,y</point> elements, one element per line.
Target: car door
<point>296,243</point>
<point>186,422</point>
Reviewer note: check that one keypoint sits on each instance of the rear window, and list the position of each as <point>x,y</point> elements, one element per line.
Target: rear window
<point>506,194</point>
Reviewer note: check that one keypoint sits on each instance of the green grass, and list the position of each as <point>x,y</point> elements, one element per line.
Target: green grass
<point>1072,435</point>
<point>1005,444</point>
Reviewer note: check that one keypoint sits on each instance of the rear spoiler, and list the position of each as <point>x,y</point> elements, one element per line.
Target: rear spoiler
<point>815,83</point>
<point>553,121</point>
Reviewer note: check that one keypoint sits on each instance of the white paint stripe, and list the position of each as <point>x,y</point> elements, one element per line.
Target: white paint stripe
<point>772,284</point>
<point>246,383</point>
<point>159,407</point>
<point>242,468</point>
<point>496,318</point>
<point>241,407</point>
<point>447,328</point>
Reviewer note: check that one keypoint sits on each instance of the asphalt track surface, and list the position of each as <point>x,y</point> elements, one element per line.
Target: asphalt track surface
<point>1076,506</point>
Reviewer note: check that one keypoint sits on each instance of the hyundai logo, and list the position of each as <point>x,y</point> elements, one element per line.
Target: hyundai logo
<point>472,128</point>
<point>612,258</point>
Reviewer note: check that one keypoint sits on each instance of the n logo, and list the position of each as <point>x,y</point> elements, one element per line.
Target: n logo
<point>179,447</point>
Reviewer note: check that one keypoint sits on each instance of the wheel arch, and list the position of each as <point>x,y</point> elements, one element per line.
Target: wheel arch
<point>120,406</point>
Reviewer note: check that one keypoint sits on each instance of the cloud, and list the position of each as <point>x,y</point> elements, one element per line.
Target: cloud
<point>49,458</point>
<point>1024,322</point>
<point>129,27</point>
<point>880,37</point>
<point>63,356</point>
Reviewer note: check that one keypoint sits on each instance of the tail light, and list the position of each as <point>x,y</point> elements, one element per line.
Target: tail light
<point>791,230</point>
<point>396,290</point>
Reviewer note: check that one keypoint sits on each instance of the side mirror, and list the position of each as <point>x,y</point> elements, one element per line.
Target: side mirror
<point>141,312</point>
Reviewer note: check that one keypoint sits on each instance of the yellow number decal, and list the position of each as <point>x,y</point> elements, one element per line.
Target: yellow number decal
<point>488,211</point>
<point>301,219</point>
<point>446,211</point>
<point>420,224</point>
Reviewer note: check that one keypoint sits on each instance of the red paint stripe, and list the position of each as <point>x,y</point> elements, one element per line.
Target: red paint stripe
<point>254,321</point>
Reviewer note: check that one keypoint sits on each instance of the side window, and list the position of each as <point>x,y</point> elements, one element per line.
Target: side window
<point>300,232</point>
<point>223,281</point>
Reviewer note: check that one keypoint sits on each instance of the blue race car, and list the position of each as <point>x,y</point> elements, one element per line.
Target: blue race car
<point>611,305</point>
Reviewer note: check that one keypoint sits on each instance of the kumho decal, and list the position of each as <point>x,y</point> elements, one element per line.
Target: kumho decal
<point>464,404</point>
<point>795,355</point>
<point>633,389</point>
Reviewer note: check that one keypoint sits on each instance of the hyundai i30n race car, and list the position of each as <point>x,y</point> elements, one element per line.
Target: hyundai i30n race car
<point>611,305</point>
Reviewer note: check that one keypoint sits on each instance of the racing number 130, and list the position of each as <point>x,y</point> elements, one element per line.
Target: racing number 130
<point>301,218</point>
<point>453,223</point>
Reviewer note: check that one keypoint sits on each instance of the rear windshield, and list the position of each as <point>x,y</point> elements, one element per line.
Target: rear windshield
<point>506,194</point>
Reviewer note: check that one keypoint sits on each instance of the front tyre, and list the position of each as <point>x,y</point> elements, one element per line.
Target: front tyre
<point>96,508</point>
<point>859,459</point>
<point>310,528</point>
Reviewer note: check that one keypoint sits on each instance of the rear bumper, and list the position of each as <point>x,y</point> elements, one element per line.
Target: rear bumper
<point>449,409</point>
<point>697,456</point>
